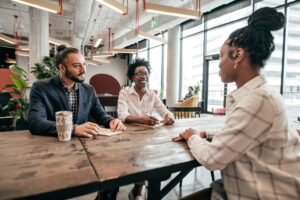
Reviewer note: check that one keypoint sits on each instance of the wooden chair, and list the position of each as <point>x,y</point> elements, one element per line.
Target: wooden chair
<point>185,112</point>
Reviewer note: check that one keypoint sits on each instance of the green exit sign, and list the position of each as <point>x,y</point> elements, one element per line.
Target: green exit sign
<point>153,23</point>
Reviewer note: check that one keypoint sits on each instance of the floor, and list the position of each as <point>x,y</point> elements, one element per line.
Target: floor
<point>196,180</point>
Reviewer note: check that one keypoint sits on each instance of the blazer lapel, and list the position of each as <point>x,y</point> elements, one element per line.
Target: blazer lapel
<point>61,93</point>
<point>80,100</point>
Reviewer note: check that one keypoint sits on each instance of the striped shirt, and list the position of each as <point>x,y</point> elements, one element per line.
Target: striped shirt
<point>129,103</point>
<point>257,152</point>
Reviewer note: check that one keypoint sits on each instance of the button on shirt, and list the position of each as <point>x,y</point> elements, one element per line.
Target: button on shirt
<point>129,103</point>
<point>257,152</point>
<point>72,99</point>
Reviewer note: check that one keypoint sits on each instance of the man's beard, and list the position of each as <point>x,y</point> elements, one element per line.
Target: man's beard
<point>73,78</point>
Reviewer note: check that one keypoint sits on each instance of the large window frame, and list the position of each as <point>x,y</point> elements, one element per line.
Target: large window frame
<point>222,11</point>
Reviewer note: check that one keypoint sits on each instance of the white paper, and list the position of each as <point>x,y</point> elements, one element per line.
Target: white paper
<point>155,126</point>
<point>108,132</point>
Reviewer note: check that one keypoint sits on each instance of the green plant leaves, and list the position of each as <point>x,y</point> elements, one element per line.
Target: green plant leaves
<point>9,86</point>
<point>18,71</point>
<point>20,84</point>
<point>45,70</point>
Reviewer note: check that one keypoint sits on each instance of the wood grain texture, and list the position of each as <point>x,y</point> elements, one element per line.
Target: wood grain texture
<point>35,165</point>
<point>141,153</point>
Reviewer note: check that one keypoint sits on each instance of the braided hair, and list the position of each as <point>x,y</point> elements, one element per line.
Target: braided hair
<point>256,38</point>
<point>62,52</point>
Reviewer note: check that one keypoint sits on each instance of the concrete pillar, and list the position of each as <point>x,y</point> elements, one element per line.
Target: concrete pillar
<point>38,37</point>
<point>76,43</point>
<point>173,65</point>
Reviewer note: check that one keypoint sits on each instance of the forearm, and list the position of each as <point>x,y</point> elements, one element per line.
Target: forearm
<point>42,127</point>
<point>134,119</point>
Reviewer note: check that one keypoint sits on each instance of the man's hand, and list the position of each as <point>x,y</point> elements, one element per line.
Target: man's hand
<point>185,135</point>
<point>87,129</point>
<point>168,120</point>
<point>149,120</point>
<point>117,125</point>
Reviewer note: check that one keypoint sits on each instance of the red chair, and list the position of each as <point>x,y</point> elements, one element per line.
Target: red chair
<point>105,84</point>
<point>218,111</point>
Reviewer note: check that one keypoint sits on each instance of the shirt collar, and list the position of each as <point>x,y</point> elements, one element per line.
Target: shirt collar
<point>132,91</point>
<point>250,85</point>
<point>75,87</point>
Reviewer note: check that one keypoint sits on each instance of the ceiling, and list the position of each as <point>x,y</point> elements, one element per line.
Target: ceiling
<point>88,19</point>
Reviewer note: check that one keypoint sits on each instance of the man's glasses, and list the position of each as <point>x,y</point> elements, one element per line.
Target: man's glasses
<point>140,74</point>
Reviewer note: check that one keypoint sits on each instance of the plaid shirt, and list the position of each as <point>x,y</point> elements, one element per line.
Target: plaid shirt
<point>73,99</point>
<point>257,152</point>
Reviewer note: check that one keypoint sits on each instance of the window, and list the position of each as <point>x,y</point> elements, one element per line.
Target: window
<point>192,63</point>
<point>268,3</point>
<point>143,54</point>
<point>155,61</point>
<point>216,37</point>
<point>272,69</point>
<point>291,87</point>
<point>231,16</point>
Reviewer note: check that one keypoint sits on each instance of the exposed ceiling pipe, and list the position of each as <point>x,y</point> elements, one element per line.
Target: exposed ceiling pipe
<point>83,9</point>
<point>90,21</point>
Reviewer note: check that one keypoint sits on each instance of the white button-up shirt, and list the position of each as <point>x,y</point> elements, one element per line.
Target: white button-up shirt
<point>129,103</point>
<point>257,152</point>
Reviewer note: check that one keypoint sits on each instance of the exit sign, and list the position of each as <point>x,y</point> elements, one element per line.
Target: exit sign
<point>153,23</point>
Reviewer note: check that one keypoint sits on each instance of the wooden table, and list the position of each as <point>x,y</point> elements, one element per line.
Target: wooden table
<point>144,154</point>
<point>41,167</point>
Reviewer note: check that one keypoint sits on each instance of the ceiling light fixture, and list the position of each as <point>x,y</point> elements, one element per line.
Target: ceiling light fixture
<point>24,48</point>
<point>103,54</point>
<point>173,11</point>
<point>91,62</point>
<point>58,42</point>
<point>133,51</point>
<point>20,53</point>
<point>11,61</point>
<point>116,6</point>
<point>7,39</point>
<point>103,60</point>
<point>99,40</point>
<point>40,4</point>
<point>151,37</point>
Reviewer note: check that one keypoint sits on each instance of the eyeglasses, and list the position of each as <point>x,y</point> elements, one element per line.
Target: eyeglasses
<point>140,74</point>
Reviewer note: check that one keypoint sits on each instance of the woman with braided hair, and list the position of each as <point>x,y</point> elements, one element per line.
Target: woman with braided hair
<point>256,151</point>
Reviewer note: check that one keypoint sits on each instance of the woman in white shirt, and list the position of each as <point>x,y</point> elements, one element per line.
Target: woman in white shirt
<point>136,104</point>
<point>257,152</point>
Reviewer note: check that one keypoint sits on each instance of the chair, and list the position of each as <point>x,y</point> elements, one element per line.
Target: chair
<point>6,121</point>
<point>190,102</point>
<point>185,112</point>
<point>105,84</point>
<point>218,111</point>
<point>112,111</point>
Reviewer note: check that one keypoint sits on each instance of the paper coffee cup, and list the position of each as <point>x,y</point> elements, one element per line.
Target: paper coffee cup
<point>64,125</point>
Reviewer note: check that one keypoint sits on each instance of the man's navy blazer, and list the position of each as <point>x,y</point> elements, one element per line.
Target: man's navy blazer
<point>48,97</point>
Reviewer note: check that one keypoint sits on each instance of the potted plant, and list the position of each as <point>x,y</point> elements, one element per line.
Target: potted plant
<point>197,89</point>
<point>45,70</point>
<point>19,98</point>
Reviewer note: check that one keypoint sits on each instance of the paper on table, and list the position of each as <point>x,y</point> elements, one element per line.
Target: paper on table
<point>108,132</point>
<point>155,126</point>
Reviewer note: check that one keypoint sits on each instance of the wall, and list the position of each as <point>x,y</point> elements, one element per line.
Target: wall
<point>117,69</point>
